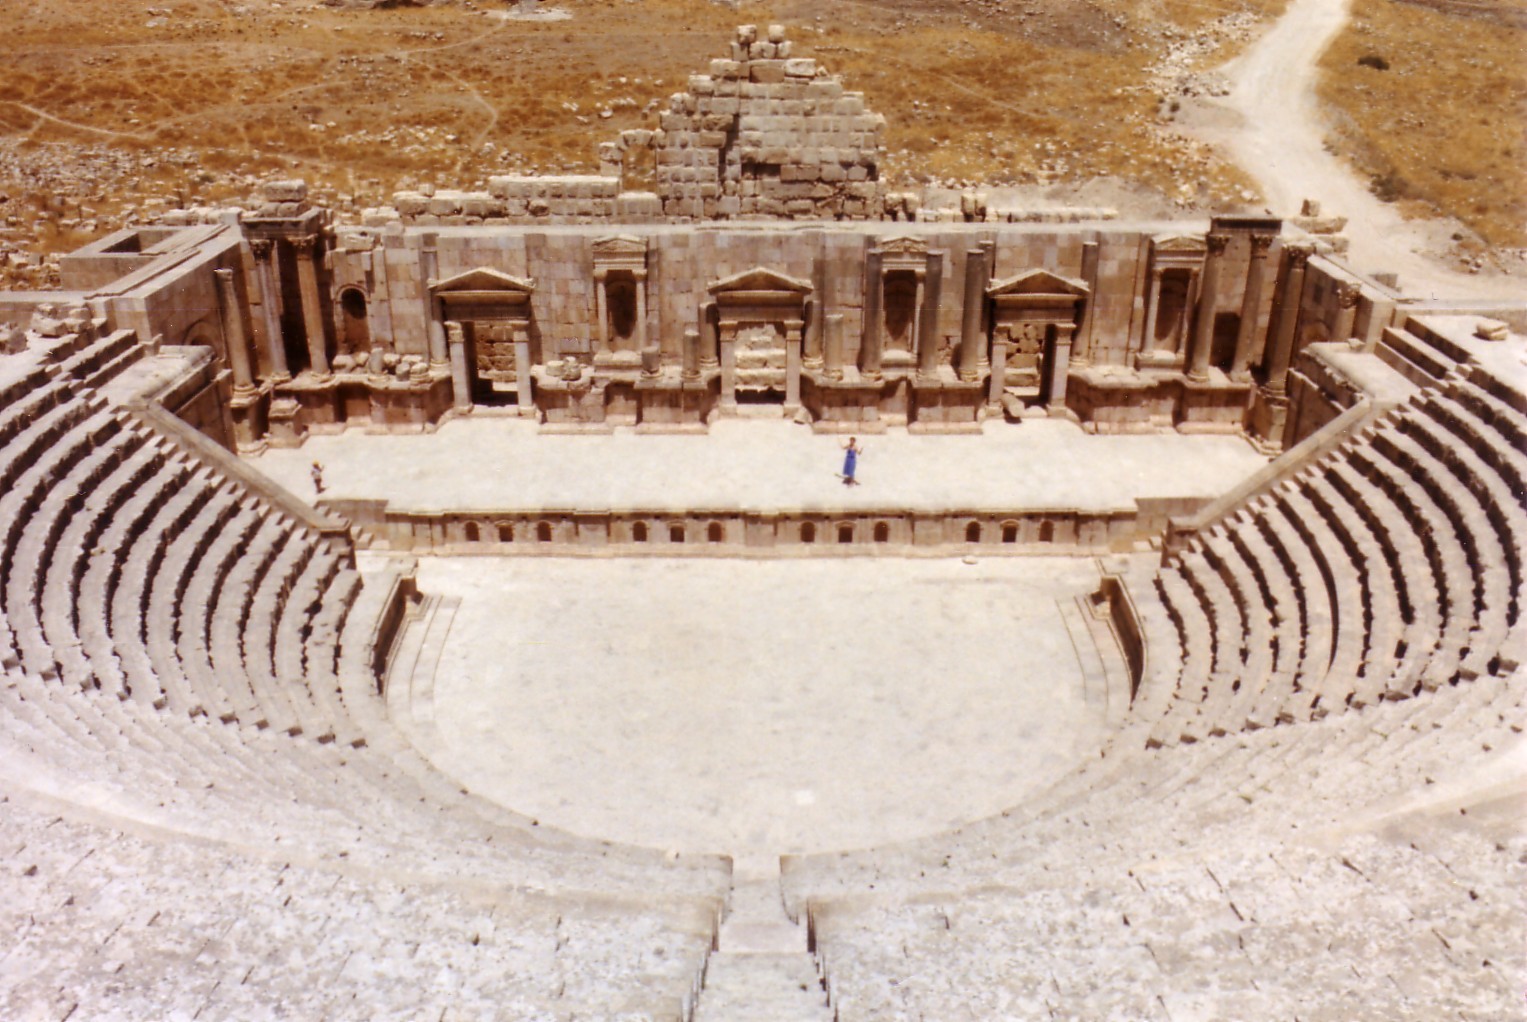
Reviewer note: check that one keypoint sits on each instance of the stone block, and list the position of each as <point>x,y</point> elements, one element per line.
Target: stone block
<point>702,85</point>
<point>636,138</point>
<point>776,33</point>
<point>292,190</point>
<point>410,203</point>
<point>801,67</point>
<point>766,72</point>
<point>727,69</point>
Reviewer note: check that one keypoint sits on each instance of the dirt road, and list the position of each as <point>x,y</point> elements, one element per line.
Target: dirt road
<point>1271,124</point>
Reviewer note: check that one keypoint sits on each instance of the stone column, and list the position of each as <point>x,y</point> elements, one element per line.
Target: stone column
<point>1056,367</point>
<point>234,338</point>
<point>312,307</point>
<point>927,339</point>
<point>811,348</point>
<point>1347,294</point>
<point>1251,304</point>
<point>1082,355</point>
<point>461,377</point>
<point>1208,308</point>
<point>873,345</point>
<point>1152,304</point>
<point>641,308</point>
<point>524,396</point>
<point>1281,352</point>
<point>439,349</point>
<point>998,381</point>
<point>710,337</point>
<point>832,360</point>
<point>795,338</point>
<point>691,370</point>
<point>970,322</point>
<point>601,312</point>
<point>264,250</point>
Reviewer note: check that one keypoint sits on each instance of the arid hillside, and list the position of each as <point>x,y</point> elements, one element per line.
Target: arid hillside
<point>1429,99</point>
<point>111,110</point>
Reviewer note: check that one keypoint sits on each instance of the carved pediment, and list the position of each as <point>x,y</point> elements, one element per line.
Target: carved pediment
<point>484,279</point>
<point>904,246</point>
<point>620,246</point>
<point>759,279</point>
<point>1178,244</point>
<point>1038,282</point>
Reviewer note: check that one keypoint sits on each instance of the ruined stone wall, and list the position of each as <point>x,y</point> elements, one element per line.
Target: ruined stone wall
<point>765,134</point>
<point>388,266</point>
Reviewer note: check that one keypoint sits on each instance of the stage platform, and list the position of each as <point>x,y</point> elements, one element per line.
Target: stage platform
<point>506,464</point>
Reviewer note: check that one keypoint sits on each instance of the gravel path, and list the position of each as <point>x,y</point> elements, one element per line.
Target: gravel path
<point>1276,131</point>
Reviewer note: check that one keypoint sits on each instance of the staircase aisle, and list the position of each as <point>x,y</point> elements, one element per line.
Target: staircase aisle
<point>761,971</point>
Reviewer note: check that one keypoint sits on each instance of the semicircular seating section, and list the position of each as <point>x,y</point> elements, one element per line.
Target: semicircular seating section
<point>1390,567</point>
<point>1280,828</point>
<point>183,658</point>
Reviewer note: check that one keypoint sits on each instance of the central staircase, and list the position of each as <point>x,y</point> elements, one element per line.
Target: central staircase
<point>761,970</point>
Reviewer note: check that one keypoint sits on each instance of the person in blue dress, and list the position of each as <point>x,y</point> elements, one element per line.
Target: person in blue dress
<point>851,452</point>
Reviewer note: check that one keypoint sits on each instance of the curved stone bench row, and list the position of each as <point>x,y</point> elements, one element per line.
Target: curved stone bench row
<point>210,933</point>
<point>172,639</point>
<point>1135,805</point>
<point>1392,566</point>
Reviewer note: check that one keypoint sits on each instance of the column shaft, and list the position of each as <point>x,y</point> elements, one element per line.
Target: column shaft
<point>874,315</point>
<point>270,304</point>
<point>439,347</point>
<point>1296,257</point>
<point>1082,348</point>
<point>312,306</point>
<point>461,377</point>
<point>1251,306</point>
<point>927,316</point>
<point>234,338</point>
<point>1057,366</point>
<point>970,322</point>
<point>1208,308</point>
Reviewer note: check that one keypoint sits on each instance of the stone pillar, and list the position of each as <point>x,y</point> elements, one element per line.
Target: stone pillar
<point>728,363</point>
<point>691,369</point>
<point>312,307</point>
<point>794,340</point>
<point>970,322</point>
<point>927,317</point>
<point>927,341</point>
<point>1281,352</point>
<point>1347,294</point>
<point>641,308</point>
<point>811,349</point>
<point>1208,308</point>
<point>439,349</point>
<point>832,360</point>
<point>524,396</point>
<point>461,377</point>
<point>1056,366</point>
<point>710,336</point>
<point>998,381</point>
<point>1152,304</point>
<point>873,344</point>
<point>264,251</point>
<point>601,312</point>
<point>1251,304</point>
<point>234,338</point>
<point>1082,355</point>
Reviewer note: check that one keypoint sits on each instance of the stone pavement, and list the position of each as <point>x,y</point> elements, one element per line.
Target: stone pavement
<point>501,464</point>
<point>759,706</point>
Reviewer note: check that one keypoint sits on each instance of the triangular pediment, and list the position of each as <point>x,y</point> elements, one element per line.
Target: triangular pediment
<point>620,245</point>
<point>904,246</point>
<point>1037,282</point>
<point>1179,243</point>
<point>759,279</point>
<point>485,278</point>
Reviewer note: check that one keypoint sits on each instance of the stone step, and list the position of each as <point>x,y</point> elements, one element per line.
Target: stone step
<point>762,987</point>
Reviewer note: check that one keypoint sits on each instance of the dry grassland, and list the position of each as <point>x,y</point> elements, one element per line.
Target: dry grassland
<point>113,111</point>
<point>1430,101</point>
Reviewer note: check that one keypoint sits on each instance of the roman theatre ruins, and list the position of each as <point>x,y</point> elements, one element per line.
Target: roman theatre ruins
<point>456,611</point>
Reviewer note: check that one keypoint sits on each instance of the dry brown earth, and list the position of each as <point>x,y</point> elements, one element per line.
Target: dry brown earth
<point>1429,100</point>
<point>107,110</point>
